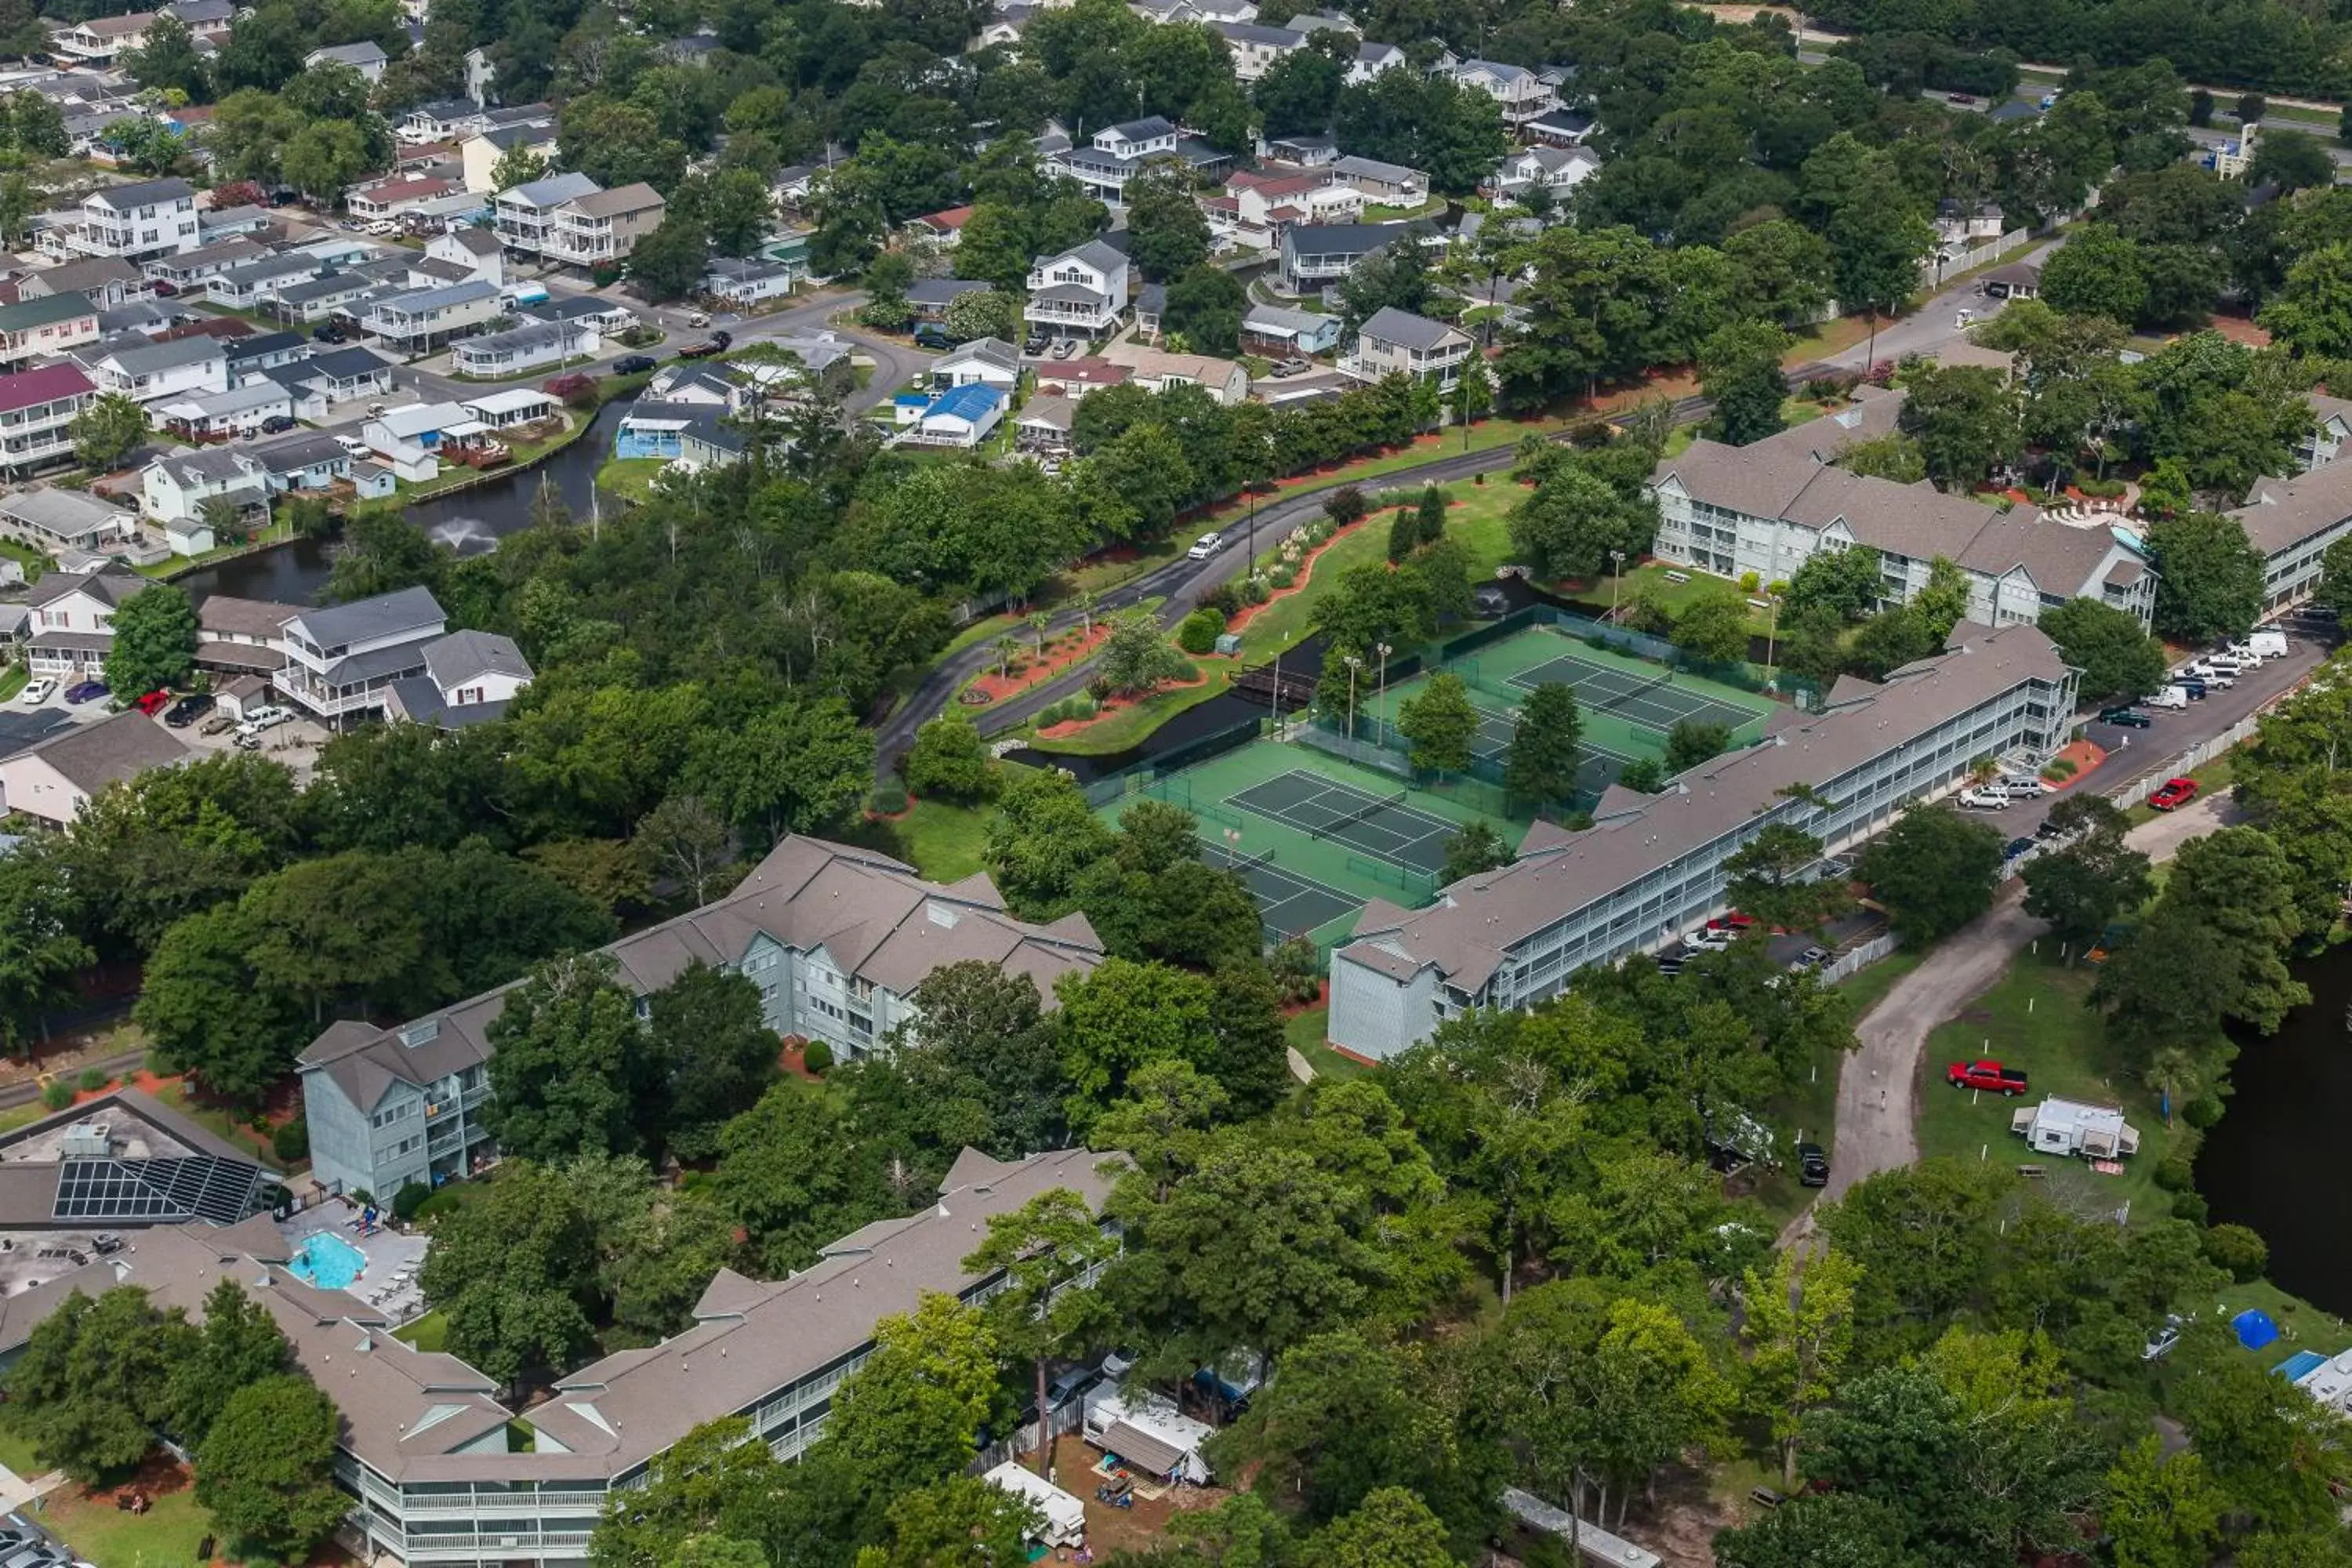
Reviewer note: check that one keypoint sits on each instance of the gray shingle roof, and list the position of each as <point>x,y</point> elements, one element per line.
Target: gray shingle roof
<point>365,620</point>
<point>145,192</point>
<point>1390,325</point>
<point>91,756</point>
<point>461,655</point>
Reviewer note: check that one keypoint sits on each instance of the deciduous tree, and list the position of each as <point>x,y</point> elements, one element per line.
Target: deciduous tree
<point>266,1470</point>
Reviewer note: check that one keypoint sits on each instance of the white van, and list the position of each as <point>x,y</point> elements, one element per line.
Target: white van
<point>2170,697</point>
<point>2268,645</point>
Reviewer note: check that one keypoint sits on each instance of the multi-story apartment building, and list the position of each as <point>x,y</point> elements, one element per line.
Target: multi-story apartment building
<point>523,215</point>
<point>1768,506</point>
<point>1652,865</point>
<point>1080,293</point>
<point>602,226</point>
<point>2292,521</point>
<point>1398,342</point>
<point>837,938</point>
<point>136,222</point>
<point>41,329</point>
<point>37,411</point>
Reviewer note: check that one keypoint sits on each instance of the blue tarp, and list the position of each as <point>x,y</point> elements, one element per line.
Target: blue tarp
<point>2254,1328</point>
<point>2299,1363</point>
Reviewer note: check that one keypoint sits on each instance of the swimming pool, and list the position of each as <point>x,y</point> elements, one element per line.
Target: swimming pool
<point>328,1261</point>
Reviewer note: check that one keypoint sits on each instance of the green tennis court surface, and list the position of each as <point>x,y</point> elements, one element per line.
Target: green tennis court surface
<point>1287,901</point>
<point>1377,824</point>
<point>1658,702</point>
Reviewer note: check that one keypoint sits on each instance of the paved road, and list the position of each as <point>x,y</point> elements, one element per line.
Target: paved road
<point>1876,1106</point>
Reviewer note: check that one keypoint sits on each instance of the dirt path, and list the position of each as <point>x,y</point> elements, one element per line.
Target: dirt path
<point>1876,1108</point>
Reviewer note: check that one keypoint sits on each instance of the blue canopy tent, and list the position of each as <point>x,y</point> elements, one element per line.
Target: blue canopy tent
<point>2254,1328</point>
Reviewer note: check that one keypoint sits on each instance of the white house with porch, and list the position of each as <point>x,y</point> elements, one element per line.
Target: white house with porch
<point>341,659</point>
<point>1081,292</point>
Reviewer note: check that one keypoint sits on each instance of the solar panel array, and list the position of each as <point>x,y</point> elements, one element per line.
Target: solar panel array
<point>130,1191</point>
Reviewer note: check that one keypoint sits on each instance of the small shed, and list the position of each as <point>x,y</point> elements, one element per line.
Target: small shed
<point>237,697</point>
<point>1148,1435</point>
<point>2069,1127</point>
<point>373,482</point>
<point>1065,1516</point>
<point>2017,280</point>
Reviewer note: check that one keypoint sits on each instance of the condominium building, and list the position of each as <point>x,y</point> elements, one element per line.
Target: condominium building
<point>524,214</point>
<point>36,413</point>
<point>1650,866</point>
<point>835,938</point>
<point>602,226</point>
<point>1768,506</point>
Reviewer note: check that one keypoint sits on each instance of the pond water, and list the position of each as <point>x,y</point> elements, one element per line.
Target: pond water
<point>471,521</point>
<point>2271,1163</point>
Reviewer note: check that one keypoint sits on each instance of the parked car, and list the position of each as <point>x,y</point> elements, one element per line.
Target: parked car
<point>2018,846</point>
<point>2189,686</point>
<point>1811,958</point>
<point>277,423</point>
<point>2269,643</point>
<point>2018,787</point>
<point>188,710</point>
<point>1731,920</point>
<point>165,288</point>
<point>1065,348</point>
<point>38,691</point>
<point>2173,794</point>
<point>153,703</point>
<point>220,725</point>
<point>1291,366</point>
<point>327,332</point>
<point>2161,1341</point>
<point>1959,99</point>
<point>931,335</point>
<point>1988,1075</point>
<point>85,691</point>
<point>1984,800</point>
<point>1812,1165</point>
<point>633,364</point>
<point>260,720</point>
<point>1038,341</point>
<point>2128,718</point>
<point>383,228</point>
<point>355,445</point>
<point>1208,544</point>
<point>1707,938</point>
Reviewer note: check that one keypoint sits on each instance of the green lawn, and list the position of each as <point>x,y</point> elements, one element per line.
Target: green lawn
<point>2213,777</point>
<point>1125,726</point>
<point>1285,620</point>
<point>2033,1017</point>
<point>942,841</point>
<point>16,1449</point>
<point>168,1532</point>
<point>1304,1034</point>
<point>631,478</point>
<point>33,561</point>
<point>1869,986</point>
<point>13,681</point>
<point>429,1332</point>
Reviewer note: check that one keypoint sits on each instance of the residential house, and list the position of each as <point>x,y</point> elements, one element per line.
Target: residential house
<point>1257,209</point>
<point>187,270</point>
<point>1117,153</point>
<point>1257,49</point>
<point>1770,506</point>
<point>418,425</point>
<point>341,659</point>
<point>525,348</point>
<point>366,57</point>
<point>443,120</point>
<point>72,612</point>
<point>253,355</point>
<point>837,938</point>
<point>694,435</point>
<point>473,247</point>
<point>1155,371</point>
<point>1315,254</point>
<point>100,42</point>
<point>43,329</point>
<point>1522,94</point>
<point>243,637</point>
<point>106,281</point>
<point>1391,184</point>
<point>300,460</point>
<point>1081,292</point>
<point>36,414</point>
<point>792,184</point>
<point>481,153</point>
<point>1555,170</point>
<point>1561,128</point>
<point>335,294</point>
<point>941,228</point>
<point>963,416</point>
<point>149,372</point>
<point>469,678</point>
<point>704,385</point>
<point>746,283</point>
<point>385,200</point>
<point>1074,378</point>
<point>216,226</point>
<point>135,222</point>
<point>1281,332</point>
<point>516,406</point>
<point>209,20</point>
<point>416,322</point>
<point>62,523</point>
<point>1304,152</point>
<point>51,781</point>
<point>251,285</point>
<point>1652,865</point>
<point>2331,427</point>
<point>602,226</point>
<point>930,296</point>
<point>607,316</point>
<point>176,486</point>
<point>224,415</point>
<point>986,362</point>
<point>1044,424</point>
<point>2017,280</point>
<point>1393,342</point>
<point>524,214</point>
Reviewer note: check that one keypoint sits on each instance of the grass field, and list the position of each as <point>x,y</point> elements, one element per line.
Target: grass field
<point>944,841</point>
<point>16,1449</point>
<point>168,1532</point>
<point>2034,1018</point>
<point>2213,777</point>
<point>1304,1034</point>
<point>429,1332</point>
<point>1123,726</point>
<point>1285,620</point>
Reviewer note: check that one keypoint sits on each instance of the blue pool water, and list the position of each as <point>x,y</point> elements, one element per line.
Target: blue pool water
<point>327,1261</point>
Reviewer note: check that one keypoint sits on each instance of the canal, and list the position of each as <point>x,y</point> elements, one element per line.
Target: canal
<point>470,520</point>
<point>2271,1163</point>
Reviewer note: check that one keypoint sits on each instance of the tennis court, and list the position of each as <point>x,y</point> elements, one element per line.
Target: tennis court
<point>1657,701</point>
<point>1287,901</point>
<point>1597,766</point>
<point>1324,808</point>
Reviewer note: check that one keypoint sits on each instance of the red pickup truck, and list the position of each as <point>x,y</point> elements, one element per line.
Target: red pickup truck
<point>1986,1075</point>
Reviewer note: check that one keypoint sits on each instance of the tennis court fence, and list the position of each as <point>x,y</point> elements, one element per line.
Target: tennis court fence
<point>1739,673</point>
<point>1482,791</point>
<point>1136,778</point>
<point>1419,887</point>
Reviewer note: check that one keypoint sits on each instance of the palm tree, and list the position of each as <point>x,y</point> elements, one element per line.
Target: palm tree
<point>1038,620</point>
<point>1006,648</point>
<point>2174,1072</point>
<point>1086,610</point>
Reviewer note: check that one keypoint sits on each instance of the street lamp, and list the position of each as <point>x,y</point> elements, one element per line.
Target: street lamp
<point>1771,635</point>
<point>1354,664</point>
<point>1379,703</point>
<point>1277,683</point>
<point>1616,581</point>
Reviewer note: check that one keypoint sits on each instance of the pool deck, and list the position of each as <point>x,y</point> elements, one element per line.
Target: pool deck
<point>391,1257</point>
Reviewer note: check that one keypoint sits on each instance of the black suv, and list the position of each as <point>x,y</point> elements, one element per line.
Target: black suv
<point>2128,718</point>
<point>1812,1165</point>
<point>327,332</point>
<point>187,710</point>
<point>633,364</point>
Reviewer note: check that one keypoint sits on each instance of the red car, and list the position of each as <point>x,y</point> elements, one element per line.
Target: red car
<point>1986,1075</point>
<point>152,703</point>
<point>2173,793</point>
<point>1735,921</point>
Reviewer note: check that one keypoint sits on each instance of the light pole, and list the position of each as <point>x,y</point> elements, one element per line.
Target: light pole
<point>1379,703</point>
<point>1354,664</point>
<point>1616,581</point>
<point>1277,684</point>
<point>1771,635</point>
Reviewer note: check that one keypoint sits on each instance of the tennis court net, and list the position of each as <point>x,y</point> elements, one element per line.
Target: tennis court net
<point>1351,819</point>
<point>1611,704</point>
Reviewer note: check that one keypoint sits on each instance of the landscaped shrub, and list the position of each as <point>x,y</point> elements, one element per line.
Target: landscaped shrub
<point>889,797</point>
<point>58,1094</point>
<point>1050,715</point>
<point>1080,708</point>
<point>1252,590</point>
<point>2190,1207</point>
<point>577,390</point>
<point>2177,1172</point>
<point>438,1203</point>
<point>2102,490</point>
<point>2202,1113</point>
<point>1099,688</point>
<point>1199,631</point>
<point>92,1081</point>
<point>1225,598</point>
<point>2239,1250</point>
<point>1749,582</point>
<point>817,1057</point>
<point>292,1141</point>
<point>406,1201</point>
<point>1282,574</point>
<point>1184,670</point>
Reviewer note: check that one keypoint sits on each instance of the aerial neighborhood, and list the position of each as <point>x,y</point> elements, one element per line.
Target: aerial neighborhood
<point>1177,783</point>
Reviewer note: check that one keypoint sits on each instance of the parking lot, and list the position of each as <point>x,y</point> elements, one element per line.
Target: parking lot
<point>295,743</point>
